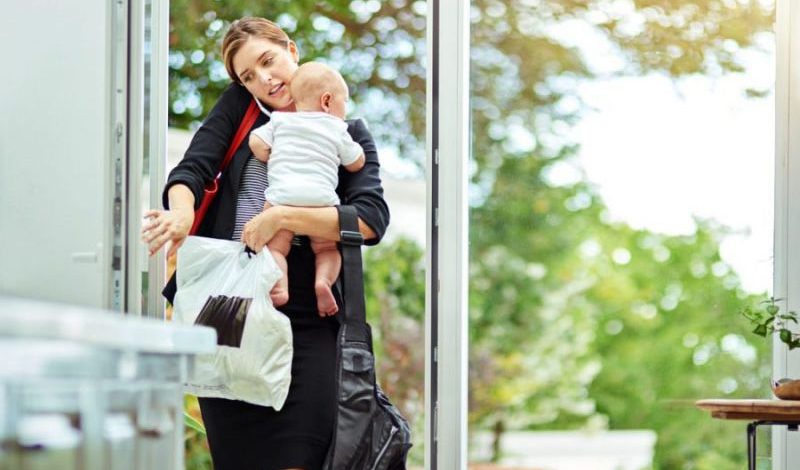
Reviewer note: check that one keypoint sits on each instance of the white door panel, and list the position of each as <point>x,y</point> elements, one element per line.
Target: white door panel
<point>55,162</point>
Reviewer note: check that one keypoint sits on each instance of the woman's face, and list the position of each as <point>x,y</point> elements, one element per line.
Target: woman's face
<point>265,68</point>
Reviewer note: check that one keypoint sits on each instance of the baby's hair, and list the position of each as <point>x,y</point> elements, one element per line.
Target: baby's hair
<point>312,79</point>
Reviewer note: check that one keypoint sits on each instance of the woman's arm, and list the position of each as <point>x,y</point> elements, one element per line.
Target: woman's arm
<point>170,225</point>
<point>185,186</point>
<point>362,189</point>
<point>322,222</point>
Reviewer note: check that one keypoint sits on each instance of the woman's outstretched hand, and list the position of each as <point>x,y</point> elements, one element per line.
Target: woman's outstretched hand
<point>261,228</point>
<point>166,226</point>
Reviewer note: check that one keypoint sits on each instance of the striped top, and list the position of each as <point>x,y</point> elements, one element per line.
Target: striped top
<point>251,194</point>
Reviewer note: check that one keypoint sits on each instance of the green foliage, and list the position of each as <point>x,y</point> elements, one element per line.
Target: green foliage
<point>767,320</point>
<point>667,337</point>
<point>195,425</point>
<point>196,455</point>
<point>627,327</point>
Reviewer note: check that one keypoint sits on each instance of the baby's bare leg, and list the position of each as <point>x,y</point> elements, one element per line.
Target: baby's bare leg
<point>328,264</point>
<point>279,246</point>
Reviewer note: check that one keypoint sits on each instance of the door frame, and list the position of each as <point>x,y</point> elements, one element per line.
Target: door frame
<point>448,137</point>
<point>786,281</point>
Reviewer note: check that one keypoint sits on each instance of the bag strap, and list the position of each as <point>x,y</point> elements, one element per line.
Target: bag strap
<point>354,312</point>
<point>244,128</point>
<point>248,120</point>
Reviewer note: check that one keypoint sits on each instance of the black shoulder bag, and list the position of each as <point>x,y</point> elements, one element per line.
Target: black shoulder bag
<point>370,433</point>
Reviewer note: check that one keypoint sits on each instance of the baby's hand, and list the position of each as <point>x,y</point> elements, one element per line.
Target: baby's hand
<point>260,148</point>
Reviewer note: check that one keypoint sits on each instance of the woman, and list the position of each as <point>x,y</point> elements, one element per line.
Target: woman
<point>260,59</point>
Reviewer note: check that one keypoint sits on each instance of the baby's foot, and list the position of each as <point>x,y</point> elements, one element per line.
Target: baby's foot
<point>279,296</point>
<point>326,303</point>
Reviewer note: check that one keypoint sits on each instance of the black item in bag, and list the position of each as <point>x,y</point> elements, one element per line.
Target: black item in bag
<point>227,315</point>
<point>370,433</point>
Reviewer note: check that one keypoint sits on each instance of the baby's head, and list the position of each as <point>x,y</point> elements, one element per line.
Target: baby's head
<point>317,87</point>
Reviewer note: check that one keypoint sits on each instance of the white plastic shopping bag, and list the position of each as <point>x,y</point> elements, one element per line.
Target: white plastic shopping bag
<point>222,286</point>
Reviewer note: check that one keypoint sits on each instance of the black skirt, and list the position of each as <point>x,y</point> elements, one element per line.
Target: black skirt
<point>243,436</point>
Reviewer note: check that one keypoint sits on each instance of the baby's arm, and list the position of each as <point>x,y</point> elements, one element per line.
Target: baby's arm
<point>357,164</point>
<point>260,149</point>
<point>351,154</point>
<point>261,141</point>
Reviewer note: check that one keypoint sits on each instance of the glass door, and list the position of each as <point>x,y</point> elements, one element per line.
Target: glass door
<point>147,147</point>
<point>621,193</point>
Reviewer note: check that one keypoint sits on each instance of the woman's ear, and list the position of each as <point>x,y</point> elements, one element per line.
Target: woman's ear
<point>293,52</point>
<point>325,101</point>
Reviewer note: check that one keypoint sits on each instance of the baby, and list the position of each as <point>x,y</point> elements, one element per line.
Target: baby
<point>303,151</point>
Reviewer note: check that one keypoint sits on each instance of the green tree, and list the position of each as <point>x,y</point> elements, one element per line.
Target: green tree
<point>679,290</point>
<point>659,313</point>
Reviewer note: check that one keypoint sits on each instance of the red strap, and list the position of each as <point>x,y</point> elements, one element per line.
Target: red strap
<point>211,190</point>
<point>244,128</point>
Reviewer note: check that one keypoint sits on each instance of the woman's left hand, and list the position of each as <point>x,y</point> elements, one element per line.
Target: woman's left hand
<point>261,228</point>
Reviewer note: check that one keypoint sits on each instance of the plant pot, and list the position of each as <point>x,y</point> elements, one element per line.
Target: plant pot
<point>786,389</point>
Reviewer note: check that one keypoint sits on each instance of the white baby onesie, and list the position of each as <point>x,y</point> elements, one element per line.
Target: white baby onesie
<point>307,149</point>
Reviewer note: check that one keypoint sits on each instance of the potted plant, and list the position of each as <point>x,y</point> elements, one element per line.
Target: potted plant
<point>768,319</point>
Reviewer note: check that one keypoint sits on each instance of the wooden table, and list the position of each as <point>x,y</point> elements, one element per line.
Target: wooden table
<point>758,412</point>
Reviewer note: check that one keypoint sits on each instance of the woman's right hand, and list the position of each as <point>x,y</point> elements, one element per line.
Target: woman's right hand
<point>167,226</point>
<point>259,230</point>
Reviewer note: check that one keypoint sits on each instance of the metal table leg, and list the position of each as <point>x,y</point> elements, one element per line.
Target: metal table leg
<point>751,437</point>
<point>751,445</point>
